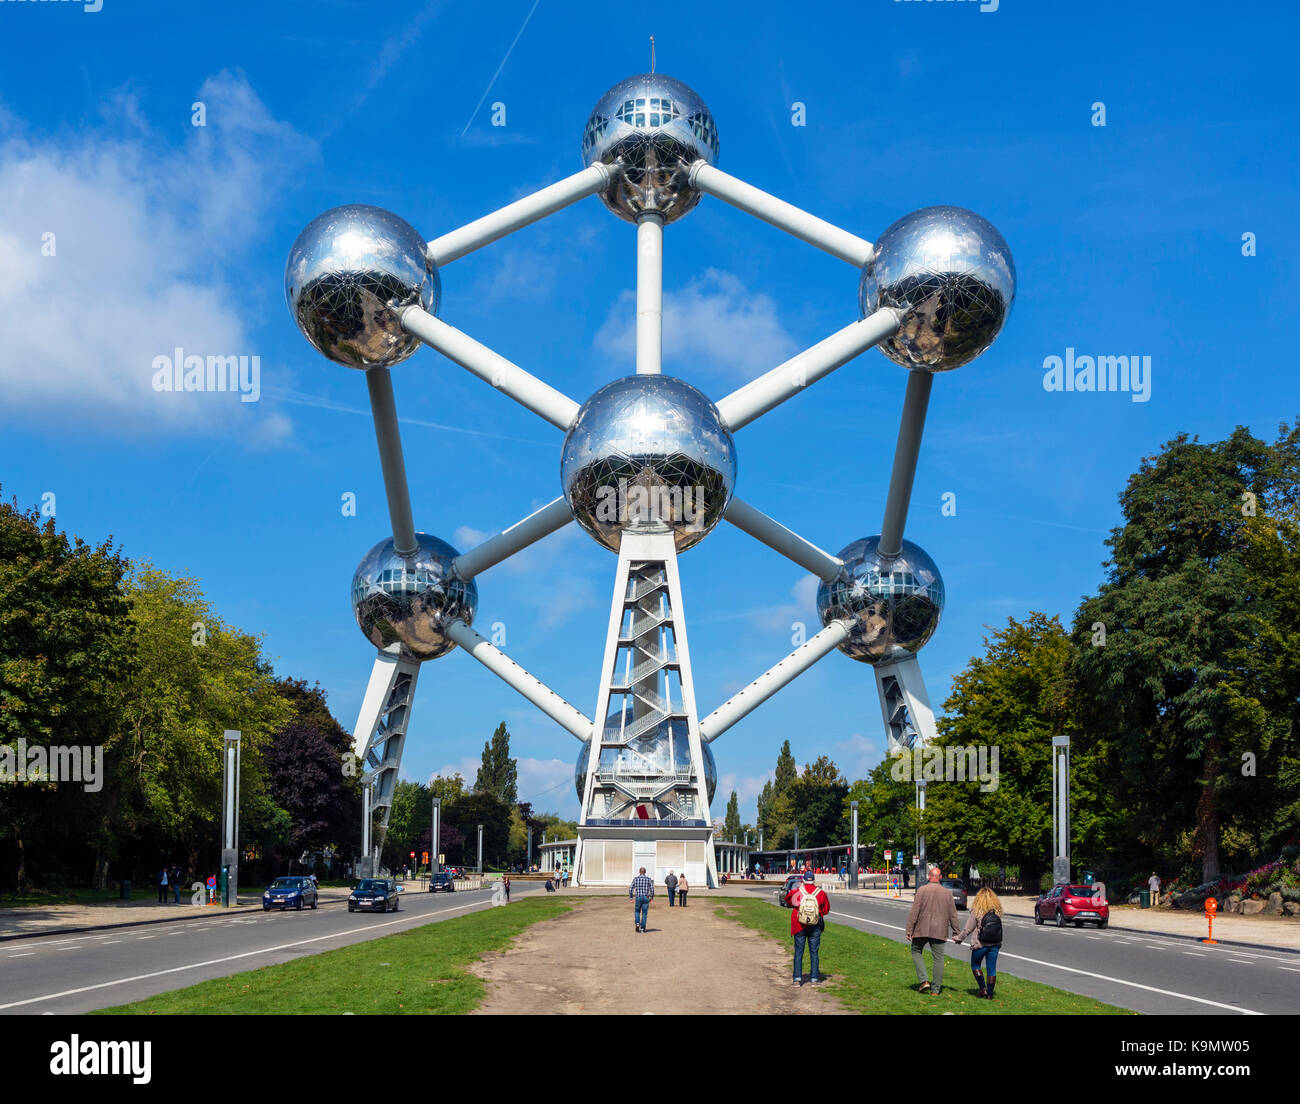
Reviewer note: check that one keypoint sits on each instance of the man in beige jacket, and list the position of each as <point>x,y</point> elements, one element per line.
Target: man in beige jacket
<point>932,919</point>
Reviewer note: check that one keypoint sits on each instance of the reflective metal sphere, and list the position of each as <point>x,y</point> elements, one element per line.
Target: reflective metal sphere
<point>349,274</point>
<point>951,274</point>
<point>408,601</point>
<point>659,128</point>
<point>648,759</point>
<point>648,452</point>
<point>894,605</point>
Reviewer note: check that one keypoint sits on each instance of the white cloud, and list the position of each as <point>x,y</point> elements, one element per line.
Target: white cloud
<point>147,242</point>
<point>713,326</point>
<point>747,790</point>
<point>858,756</point>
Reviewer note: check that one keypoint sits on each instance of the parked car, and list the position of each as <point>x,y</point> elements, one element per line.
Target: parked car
<point>374,895</point>
<point>958,890</point>
<point>444,880</point>
<point>291,893</point>
<point>1077,904</point>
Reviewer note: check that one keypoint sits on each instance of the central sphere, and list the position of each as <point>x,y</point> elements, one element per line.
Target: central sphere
<point>347,279</point>
<point>658,128</point>
<point>652,755</point>
<point>949,272</point>
<point>648,453</point>
<point>893,604</point>
<point>409,600</point>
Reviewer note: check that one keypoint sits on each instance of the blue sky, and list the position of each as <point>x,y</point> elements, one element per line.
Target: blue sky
<point>1127,240</point>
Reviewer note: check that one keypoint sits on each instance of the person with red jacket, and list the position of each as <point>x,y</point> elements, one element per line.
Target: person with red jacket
<point>803,928</point>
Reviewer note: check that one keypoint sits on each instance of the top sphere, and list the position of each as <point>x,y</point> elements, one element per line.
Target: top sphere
<point>951,275</point>
<point>648,452</point>
<point>349,275</point>
<point>659,128</point>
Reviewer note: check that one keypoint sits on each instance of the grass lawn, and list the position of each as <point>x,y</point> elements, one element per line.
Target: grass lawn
<point>419,971</point>
<point>872,974</point>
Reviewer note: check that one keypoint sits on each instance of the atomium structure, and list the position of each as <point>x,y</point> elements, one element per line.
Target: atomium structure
<point>648,467</point>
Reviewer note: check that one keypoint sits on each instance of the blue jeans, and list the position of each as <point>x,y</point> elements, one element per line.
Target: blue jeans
<point>813,937</point>
<point>979,954</point>
<point>671,893</point>
<point>642,911</point>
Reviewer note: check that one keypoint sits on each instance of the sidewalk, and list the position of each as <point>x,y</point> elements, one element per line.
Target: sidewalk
<point>18,923</point>
<point>1266,931</point>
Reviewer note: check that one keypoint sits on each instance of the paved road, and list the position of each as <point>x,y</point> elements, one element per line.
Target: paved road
<point>78,973</point>
<point>1136,970</point>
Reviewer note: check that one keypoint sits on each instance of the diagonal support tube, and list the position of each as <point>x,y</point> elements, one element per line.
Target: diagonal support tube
<point>770,681</point>
<point>527,390</point>
<point>474,235</point>
<point>773,388</point>
<point>384,410</point>
<point>910,428</point>
<point>532,688</point>
<point>784,216</point>
<point>780,539</point>
<point>541,523</point>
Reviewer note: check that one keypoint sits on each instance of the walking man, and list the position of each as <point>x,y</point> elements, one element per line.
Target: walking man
<point>808,907</point>
<point>162,886</point>
<point>176,882</point>
<point>932,919</point>
<point>1153,884</point>
<point>641,890</point>
<point>671,883</point>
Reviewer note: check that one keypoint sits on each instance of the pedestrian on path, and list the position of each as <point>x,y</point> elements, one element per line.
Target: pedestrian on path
<point>506,880</point>
<point>932,919</point>
<point>984,926</point>
<point>808,907</point>
<point>641,890</point>
<point>566,879</point>
<point>1153,884</point>
<point>671,883</point>
<point>162,886</point>
<point>682,886</point>
<point>176,882</point>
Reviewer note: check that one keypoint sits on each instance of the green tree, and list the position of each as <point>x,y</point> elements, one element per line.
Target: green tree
<point>1172,695</point>
<point>1015,698</point>
<point>488,810</point>
<point>409,822</point>
<point>817,799</point>
<point>65,648</point>
<point>886,813</point>
<point>731,826</point>
<point>776,812</point>
<point>499,773</point>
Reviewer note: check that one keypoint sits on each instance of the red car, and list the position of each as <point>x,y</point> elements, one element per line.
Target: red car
<point>1077,904</point>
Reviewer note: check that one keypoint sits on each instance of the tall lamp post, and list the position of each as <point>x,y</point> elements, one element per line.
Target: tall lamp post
<point>230,820</point>
<point>853,862</point>
<point>435,834</point>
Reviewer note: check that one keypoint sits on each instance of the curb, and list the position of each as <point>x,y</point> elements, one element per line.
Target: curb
<point>1112,926</point>
<point>225,913</point>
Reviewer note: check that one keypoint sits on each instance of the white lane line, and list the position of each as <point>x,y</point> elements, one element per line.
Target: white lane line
<point>1195,953</point>
<point>1243,961</point>
<point>1101,977</point>
<point>105,944</point>
<point>144,937</point>
<point>25,954</point>
<point>1292,969</point>
<point>228,958</point>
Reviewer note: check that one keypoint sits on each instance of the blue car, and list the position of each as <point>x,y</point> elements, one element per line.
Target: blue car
<point>291,893</point>
<point>374,895</point>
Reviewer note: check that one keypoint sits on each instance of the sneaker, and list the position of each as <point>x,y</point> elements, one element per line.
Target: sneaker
<point>936,991</point>
<point>925,987</point>
<point>797,983</point>
<point>818,980</point>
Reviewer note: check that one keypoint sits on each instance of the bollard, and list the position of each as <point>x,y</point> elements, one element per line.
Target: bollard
<point>1211,907</point>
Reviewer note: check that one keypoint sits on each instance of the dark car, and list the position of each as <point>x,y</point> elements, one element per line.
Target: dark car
<point>444,880</point>
<point>958,890</point>
<point>790,882</point>
<point>1076,904</point>
<point>291,893</point>
<point>374,895</point>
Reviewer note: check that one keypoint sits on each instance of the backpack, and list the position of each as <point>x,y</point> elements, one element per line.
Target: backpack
<point>990,929</point>
<point>810,912</point>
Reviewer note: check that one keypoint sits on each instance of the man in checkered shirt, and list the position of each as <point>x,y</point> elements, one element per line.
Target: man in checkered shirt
<point>641,890</point>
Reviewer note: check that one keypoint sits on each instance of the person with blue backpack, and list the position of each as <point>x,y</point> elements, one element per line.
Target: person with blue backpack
<point>985,928</point>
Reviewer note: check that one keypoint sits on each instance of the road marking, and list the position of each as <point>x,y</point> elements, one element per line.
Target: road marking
<point>1100,977</point>
<point>228,958</point>
<point>1197,954</point>
<point>144,937</point>
<point>25,954</point>
<point>105,944</point>
<point>1290,968</point>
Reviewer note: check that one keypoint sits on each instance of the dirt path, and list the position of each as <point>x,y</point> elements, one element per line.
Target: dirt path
<point>690,961</point>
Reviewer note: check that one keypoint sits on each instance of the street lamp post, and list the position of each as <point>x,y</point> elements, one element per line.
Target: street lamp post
<point>480,849</point>
<point>230,820</point>
<point>435,834</point>
<point>853,862</point>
